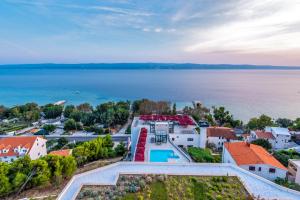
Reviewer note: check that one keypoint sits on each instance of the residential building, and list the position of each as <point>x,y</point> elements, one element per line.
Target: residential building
<point>253,158</point>
<point>63,152</point>
<point>12,148</point>
<point>282,137</point>
<point>219,135</point>
<point>254,135</point>
<point>294,170</point>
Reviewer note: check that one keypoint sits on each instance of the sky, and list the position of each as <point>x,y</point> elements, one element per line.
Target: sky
<point>174,31</point>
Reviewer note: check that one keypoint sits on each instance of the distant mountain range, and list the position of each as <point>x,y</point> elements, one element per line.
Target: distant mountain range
<point>148,66</point>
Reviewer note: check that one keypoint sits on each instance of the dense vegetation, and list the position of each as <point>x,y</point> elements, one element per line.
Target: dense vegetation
<point>203,155</point>
<point>288,184</point>
<point>284,155</point>
<point>49,170</point>
<point>264,143</point>
<point>146,106</point>
<point>100,148</point>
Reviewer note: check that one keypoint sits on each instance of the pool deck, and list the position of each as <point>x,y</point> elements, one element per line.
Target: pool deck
<point>108,175</point>
<point>163,146</point>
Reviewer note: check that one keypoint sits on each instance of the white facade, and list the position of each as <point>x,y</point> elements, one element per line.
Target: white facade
<point>185,140</point>
<point>282,137</point>
<point>263,170</point>
<point>38,149</point>
<point>253,136</point>
<point>294,170</point>
<point>219,141</point>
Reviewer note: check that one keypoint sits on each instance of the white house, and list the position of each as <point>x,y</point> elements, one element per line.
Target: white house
<point>219,135</point>
<point>254,135</point>
<point>253,158</point>
<point>282,137</point>
<point>12,148</point>
<point>294,170</point>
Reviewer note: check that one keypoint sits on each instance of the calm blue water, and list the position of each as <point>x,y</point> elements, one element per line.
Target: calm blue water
<point>246,93</point>
<point>162,155</point>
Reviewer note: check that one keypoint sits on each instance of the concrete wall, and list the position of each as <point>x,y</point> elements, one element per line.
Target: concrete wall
<point>182,139</point>
<point>264,171</point>
<point>38,149</point>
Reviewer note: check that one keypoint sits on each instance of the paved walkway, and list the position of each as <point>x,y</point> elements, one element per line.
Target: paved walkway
<point>108,175</point>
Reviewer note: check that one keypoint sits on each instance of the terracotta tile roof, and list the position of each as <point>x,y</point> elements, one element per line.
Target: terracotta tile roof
<point>63,152</point>
<point>246,154</point>
<point>225,132</point>
<point>264,135</point>
<point>10,143</point>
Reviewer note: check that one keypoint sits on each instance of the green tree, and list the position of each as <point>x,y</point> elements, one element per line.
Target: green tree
<point>5,185</point>
<point>55,166</point>
<point>68,166</point>
<point>85,107</point>
<point>221,115</point>
<point>284,122</point>
<point>264,143</point>
<point>260,123</point>
<point>120,149</point>
<point>4,112</point>
<point>76,115</point>
<point>52,111</point>
<point>174,111</point>
<point>18,180</point>
<point>68,110</point>
<point>49,128</point>
<point>42,172</point>
<point>70,125</point>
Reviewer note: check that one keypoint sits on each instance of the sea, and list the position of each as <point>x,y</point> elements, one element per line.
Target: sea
<point>245,93</point>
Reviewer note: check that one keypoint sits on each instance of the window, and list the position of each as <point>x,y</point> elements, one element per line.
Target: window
<point>251,168</point>
<point>189,146</point>
<point>272,170</point>
<point>39,154</point>
<point>190,139</point>
<point>259,169</point>
<point>173,139</point>
<point>181,146</point>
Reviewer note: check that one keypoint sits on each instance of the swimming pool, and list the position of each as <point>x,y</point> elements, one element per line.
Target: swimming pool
<point>159,155</point>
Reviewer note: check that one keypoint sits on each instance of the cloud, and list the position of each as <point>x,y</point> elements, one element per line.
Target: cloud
<point>252,30</point>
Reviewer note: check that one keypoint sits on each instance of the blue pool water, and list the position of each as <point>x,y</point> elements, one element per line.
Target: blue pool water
<point>162,155</point>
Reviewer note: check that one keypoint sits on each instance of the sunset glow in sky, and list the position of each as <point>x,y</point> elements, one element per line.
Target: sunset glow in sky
<point>196,31</point>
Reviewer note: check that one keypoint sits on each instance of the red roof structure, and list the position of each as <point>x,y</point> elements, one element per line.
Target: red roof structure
<point>224,132</point>
<point>264,135</point>
<point>140,149</point>
<point>9,144</point>
<point>63,152</point>
<point>249,154</point>
<point>183,120</point>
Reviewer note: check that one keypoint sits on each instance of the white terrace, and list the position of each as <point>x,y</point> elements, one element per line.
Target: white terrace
<point>108,175</point>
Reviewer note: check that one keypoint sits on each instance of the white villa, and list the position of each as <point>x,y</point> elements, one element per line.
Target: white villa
<point>282,137</point>
<point>12,148</point>
<point>253,158</point>
<point>165,134</point>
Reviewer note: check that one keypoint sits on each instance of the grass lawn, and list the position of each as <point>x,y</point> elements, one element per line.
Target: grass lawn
<point>191,187</point>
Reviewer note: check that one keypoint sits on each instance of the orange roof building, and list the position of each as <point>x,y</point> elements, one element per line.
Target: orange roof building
<point>12,148</point>
<point>253,158</point>
<point>63,152</point>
